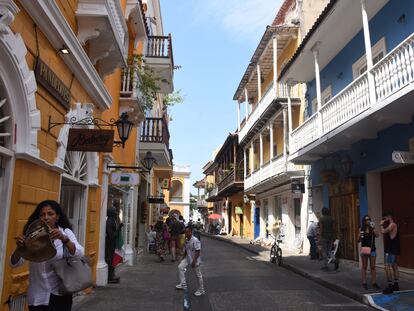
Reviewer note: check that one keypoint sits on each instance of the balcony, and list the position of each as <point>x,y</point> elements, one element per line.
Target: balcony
<point>155,137</point>
<point>231,182</point>
<point>102,27</point>
<point>159,56</point>
<point>360,110</point>
<point>265,109</point>
<point>271,174</point>
<point>131,98</point>
<point>212,195</point>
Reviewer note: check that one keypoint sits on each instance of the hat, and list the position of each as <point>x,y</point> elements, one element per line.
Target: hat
<point>37,245</point>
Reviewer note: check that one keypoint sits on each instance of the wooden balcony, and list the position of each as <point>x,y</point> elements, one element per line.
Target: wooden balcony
<point>231,182</point>
<point>155,137</point>
<point>159,56</point>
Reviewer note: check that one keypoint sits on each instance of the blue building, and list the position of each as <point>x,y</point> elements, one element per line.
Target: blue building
<point>357,62</point>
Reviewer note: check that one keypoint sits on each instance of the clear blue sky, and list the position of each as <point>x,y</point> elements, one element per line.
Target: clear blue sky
<point>213,41</point>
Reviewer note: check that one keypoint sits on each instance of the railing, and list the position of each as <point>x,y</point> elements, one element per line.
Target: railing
<point>160,47</point>
<point>227,180</point>
<point>264,103</point>
<point>155,130</point>
<point>274,167</point>
<point>390,74</point>
<point>131,82</point>
<point>201,203</point>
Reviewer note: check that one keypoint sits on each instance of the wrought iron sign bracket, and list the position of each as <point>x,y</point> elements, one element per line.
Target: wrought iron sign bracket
<point>85,121</point>
<point>139,168</point>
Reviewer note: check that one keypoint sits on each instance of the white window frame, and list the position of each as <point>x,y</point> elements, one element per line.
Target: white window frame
<point>377,49</point>
<point>326,95</point>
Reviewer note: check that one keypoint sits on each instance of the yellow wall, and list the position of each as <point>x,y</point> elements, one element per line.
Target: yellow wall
<point>28,190</point>
<point>266,149</point>
<point>278,138</point>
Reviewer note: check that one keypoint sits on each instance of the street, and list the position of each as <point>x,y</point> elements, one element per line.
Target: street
<point>234,280</point>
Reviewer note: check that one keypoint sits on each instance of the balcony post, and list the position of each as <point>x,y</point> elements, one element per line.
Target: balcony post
<point>289,106</point>
<point>245,163</point>
<point>252,160</point>
<point>368,52</point>
<point>238,116</point>
<point>134,73</point>
<point>285,133</point>
<point>275,65</point>
<point>271,139</point>
<point>315,51</point>
<point>261,155</point>
<point>246,102</point>
<point>259,84</point>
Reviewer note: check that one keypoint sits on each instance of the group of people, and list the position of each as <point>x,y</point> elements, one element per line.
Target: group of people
<point>321,236</point>
<point>180,239</point>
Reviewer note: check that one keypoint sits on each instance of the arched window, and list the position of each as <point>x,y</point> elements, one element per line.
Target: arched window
<point>176,191</point>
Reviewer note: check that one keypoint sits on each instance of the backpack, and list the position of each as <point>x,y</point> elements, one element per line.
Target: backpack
<point>177,228</point>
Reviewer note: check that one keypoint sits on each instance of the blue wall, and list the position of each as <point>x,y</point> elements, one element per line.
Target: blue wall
<point>367,155</point>
<point>338,73</point>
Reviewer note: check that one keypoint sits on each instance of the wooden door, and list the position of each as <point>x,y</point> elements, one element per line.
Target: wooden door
<point>398,197</point>
<point>345,212</point>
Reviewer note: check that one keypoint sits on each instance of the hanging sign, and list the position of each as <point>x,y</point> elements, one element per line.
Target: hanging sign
<point>50,81</point>
<point>90,140</point>
<point>165,184</point>
<point>403,157</point>
<point>124,178</point>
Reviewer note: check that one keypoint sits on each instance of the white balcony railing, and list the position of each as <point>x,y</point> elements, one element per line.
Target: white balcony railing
<point>264,103</point>
<point>390,74</point>
<point>274,167</point>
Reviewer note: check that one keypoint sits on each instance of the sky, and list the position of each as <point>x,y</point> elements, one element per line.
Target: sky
<point>213,42</point>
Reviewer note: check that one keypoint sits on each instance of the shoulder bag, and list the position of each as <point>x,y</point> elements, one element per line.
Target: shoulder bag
<point>74,272</point>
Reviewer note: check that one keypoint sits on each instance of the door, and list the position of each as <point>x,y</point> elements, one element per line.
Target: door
<point>345,212</point>
<point>72,199</point>
<point>256,222</point>
<point>229,213</point>
<point>241,225</point>
<point>398,197</point>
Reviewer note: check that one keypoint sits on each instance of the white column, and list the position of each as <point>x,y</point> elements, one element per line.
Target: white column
<point>285,133</point>
<point>261,150</point>
<point>289,108</point>
<point>238,116</point>
<point>275,64</point>
<point>259,84</point>
<point>246,102</point>
<point>315,51</point>
<point>102,267</point>
<point>271,139</point>
<point>129,233</point>
<point>252,158</point>
<point>245,163</point>
<point>368,52</point>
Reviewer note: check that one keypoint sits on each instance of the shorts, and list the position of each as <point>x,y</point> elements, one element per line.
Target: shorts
<point>390,259</point>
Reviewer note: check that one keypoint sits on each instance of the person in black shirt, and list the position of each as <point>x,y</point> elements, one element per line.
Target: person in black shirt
<point>367,236</point>
<point>392,249</point>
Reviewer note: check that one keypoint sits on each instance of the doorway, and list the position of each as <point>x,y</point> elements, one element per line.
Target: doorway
<point>73,202</point>
<point>256,222</point>
<point>229,215</point>
<point>398,197</point>
<point>241,225</point>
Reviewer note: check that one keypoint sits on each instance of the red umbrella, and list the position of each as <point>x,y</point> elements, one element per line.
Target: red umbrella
<point>214,216</point>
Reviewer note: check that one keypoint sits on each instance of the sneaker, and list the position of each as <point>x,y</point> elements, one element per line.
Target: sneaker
<point>388,290</point>
<point>199,293</point>
<point>375,286</point>
<point>396,287</point>
<point>179,286</point>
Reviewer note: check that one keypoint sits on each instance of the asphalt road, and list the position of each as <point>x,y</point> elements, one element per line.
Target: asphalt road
<point>234,280</point>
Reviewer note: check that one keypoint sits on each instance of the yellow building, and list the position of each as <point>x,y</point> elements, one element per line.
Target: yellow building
<point>60,62</point>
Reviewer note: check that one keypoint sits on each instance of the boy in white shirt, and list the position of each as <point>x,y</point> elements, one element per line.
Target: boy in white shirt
<point>191,257</point>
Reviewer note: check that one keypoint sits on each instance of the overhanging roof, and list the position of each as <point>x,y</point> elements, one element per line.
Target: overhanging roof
<point>338,23</point>
<point>262,50</point>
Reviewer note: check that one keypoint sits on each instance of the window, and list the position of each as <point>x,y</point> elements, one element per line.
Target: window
<point>378,52</point>
<point>326,95</point>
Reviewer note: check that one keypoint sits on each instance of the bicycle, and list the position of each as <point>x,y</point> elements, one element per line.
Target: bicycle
<point>276,251</point>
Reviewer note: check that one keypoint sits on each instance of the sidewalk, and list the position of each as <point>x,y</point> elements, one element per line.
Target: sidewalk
<point>345,281</point>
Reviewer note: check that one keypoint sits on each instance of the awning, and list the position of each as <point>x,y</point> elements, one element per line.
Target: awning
<point>239,210</point>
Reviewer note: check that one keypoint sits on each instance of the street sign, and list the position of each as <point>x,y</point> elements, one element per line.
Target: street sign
<point>124,178</point>
<point>403,157</point>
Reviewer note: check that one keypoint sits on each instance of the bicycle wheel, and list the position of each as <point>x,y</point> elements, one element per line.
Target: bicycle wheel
<point>273,254</point>
<point>279,256</point>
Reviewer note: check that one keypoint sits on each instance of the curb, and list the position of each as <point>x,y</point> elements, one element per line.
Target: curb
<point>339,289</point>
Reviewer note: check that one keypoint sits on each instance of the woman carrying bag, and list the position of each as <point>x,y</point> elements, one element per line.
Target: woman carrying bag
<point>44,283</point>
<point>367,237</point>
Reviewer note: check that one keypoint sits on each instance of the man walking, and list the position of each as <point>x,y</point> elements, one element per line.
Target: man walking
<point>326,231</point>
<point>311,235</point>
<point>392,249</point>
<point>191,258</point>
